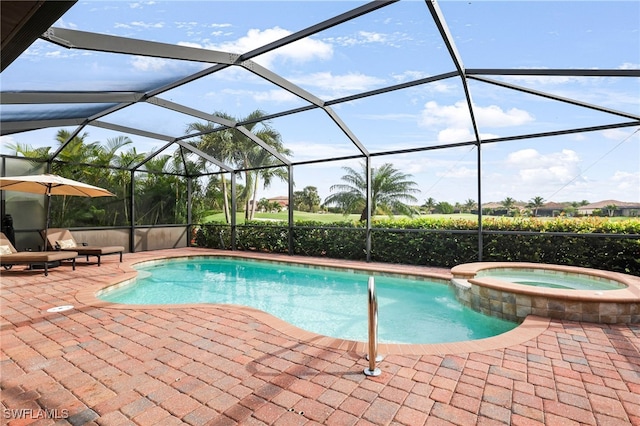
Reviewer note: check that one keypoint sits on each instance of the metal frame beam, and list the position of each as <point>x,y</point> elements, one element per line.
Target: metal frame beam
<point>74,39</point>
<point>555,97</point>
<point>27,97</point>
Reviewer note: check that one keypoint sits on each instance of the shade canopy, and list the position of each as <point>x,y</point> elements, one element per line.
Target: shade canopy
<point>48,184</point>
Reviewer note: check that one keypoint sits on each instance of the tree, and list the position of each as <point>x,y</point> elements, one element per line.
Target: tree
<point>122,177</point>
<point>429,204</point>
<point>264,205</point>
<point>307,200</point>
<point>30,152</point>
<point>260,159</point>
<point>535,203</point>
<point>275,206</point>
<point>444,207</point>
<point>233,147</point>
<point>508,203</point>
<point>611,209</point>
<point>161,195</point>
<point>390,191</point>
<point>469,205</point>
<point>219,145</point>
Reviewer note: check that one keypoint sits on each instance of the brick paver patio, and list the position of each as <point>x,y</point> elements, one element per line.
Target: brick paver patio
<point>221,365</point>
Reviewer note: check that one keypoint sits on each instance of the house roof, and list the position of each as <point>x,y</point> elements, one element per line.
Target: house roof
<point>555,206</point>
<point>605,203</point>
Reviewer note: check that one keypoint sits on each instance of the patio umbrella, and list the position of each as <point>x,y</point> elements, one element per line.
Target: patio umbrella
<point>48,184</point>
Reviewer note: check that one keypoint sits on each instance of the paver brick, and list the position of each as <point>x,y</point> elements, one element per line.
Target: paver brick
<point>180,405</point>
<point>410,417</point>
<point>152,416</point>
<point>223,365</point>
<point>495,412</point>
<point>453,414</point>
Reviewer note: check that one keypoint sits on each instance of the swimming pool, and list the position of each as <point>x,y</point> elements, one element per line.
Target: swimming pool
<point>321,300</point>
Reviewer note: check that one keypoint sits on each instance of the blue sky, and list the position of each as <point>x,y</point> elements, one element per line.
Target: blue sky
<point>395,44</point>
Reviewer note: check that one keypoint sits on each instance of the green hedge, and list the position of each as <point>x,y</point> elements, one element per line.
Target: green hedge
<point>446,242</point>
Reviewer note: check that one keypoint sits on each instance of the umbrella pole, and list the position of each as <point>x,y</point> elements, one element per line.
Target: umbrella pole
<point>46,224</point>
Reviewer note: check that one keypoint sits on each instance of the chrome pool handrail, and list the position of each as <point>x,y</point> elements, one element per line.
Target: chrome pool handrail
<point>373,330</point>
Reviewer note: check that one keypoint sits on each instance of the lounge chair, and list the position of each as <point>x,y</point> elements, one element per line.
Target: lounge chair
<point>60,239</point>
<point>9,256</point>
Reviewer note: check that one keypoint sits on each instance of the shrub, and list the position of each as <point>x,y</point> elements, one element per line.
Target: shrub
<point>447,242</point>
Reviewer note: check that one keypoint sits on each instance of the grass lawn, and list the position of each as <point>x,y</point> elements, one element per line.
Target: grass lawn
<point>321,217</point>
<point>335,217</point>
<point>283,216</point>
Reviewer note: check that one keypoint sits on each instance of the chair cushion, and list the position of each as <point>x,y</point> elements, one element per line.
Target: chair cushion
<point>65,244</point>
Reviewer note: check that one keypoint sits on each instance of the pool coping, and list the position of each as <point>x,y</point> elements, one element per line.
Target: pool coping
<point>629,294</point>
<point>497,296</point>
<point>529,329</point>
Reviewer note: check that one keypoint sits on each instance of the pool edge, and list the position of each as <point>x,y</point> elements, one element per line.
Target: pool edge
<point>530,328</point>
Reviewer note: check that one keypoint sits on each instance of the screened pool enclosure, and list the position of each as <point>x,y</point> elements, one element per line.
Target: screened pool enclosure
<point>185,108</point>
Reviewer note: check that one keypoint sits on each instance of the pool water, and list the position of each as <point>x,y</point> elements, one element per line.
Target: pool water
<point>551,279</point>
<point>324,301</point>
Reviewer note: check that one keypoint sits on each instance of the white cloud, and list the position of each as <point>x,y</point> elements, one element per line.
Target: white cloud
<point>338,85</point>
<point>456,115</point>
<point>185,25</point>
<point>146,63</point>
<point>371,37</point>
<point>455,134</point>
<point>465,173</point>
<point>457,121</point>
<point>307,150</point>
<point>628,183</point>
<point>619,134</point>
<point>439,86</point>
<point>629,66</point>
<point>141,4</point>
<point>145,25</point>
<point>542,80</point>
<point>539,169</point>
<point>368,37</point>
<point>494,116</point>
<point>5,142</point>
<point>409,75</point>
<point>304,50</point>
<point>275,95</point>
<point>64,24</point>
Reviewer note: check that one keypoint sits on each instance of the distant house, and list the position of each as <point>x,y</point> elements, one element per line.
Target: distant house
<point>551,209</point>
<point>497,209</point>
<point>283,200</point>
<point>623,208</point>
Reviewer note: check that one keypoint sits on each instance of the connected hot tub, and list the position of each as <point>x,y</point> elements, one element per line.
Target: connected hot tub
<point>512,291</point>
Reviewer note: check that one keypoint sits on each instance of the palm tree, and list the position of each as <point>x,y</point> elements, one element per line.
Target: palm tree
<point>264,205</point>
<point>122,177</point>
<point>161,195</point>
<point>28,151</point>
<point>469,205</point>
<point>390,190</point>
<point>508,204</point>
<point>535,203</point>
<point>261,158</point>
<point>307,200</point>
<point>219,145</point>
<point>611,209</point>
<point>429,204</point>
<point>233,147</point>
<point>249,155</point>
